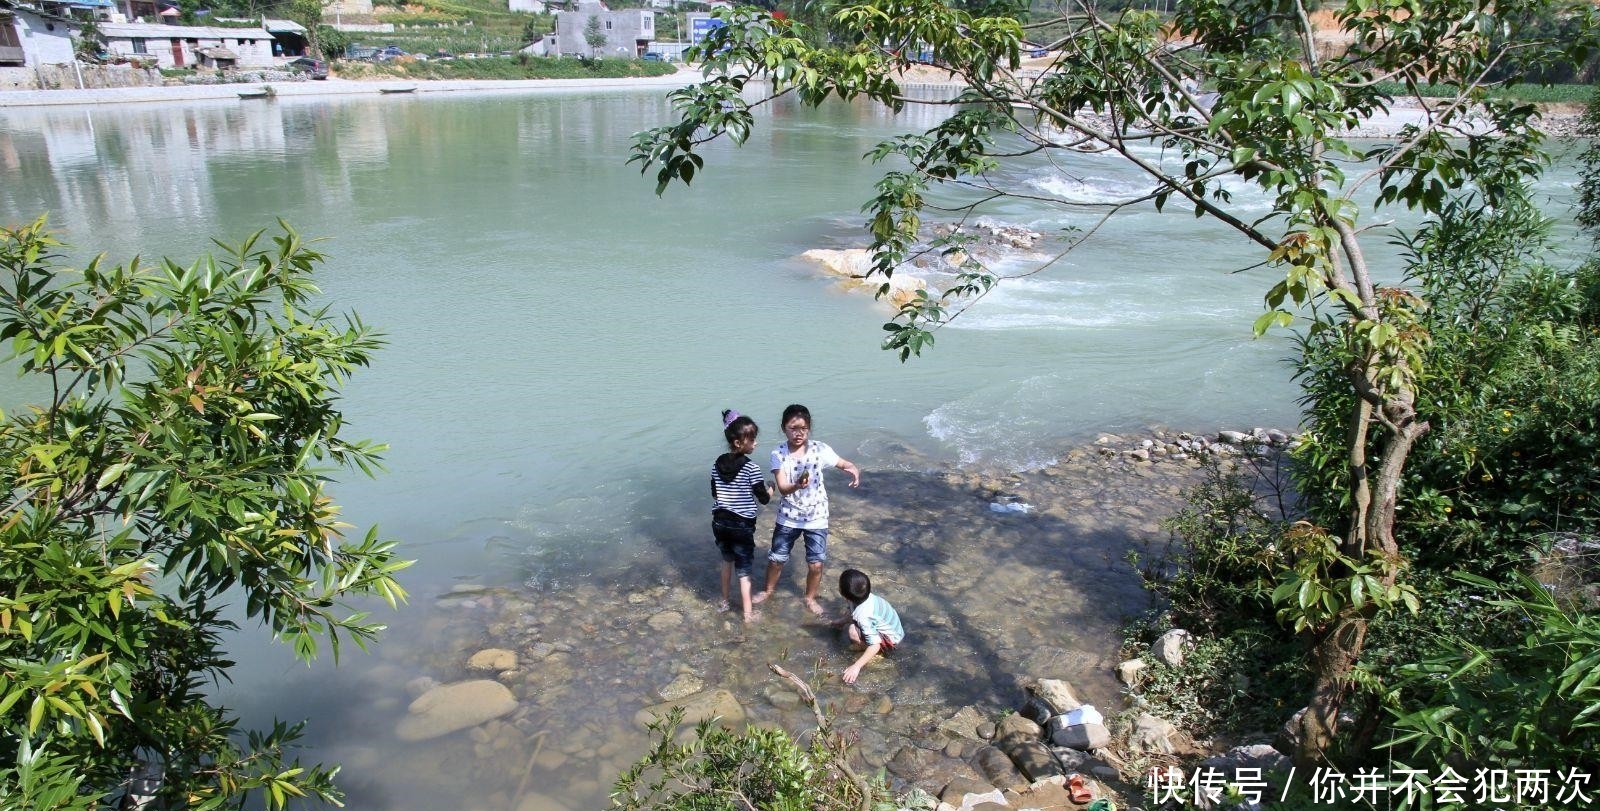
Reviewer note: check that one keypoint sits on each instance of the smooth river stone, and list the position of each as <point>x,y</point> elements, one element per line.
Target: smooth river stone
<point>696,708</point>
<point>452,707</point>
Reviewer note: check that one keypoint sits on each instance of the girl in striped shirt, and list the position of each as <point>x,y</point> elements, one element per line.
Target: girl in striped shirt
<point>737,490</point>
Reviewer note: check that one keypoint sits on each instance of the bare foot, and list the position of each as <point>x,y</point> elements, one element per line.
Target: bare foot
<point>724,607</point>
<point>814,607</point>
<point>758,598</point>
<point>752,617</point>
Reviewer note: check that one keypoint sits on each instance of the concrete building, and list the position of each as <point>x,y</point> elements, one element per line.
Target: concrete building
<point>30,38</point>
<point>180,46</point>
<point>628,32</point>
<point>529,6</point>
<point>97,10</point>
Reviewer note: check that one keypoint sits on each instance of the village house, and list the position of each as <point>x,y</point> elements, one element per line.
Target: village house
<point>628,32</point>
<point>29,38</point>
<point>182,46</point>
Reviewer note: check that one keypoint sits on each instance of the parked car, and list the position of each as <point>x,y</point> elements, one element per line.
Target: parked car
<point>315,68</point>
<point>652,56</point>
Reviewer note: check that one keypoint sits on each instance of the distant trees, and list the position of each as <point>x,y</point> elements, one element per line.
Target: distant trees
<point>308,13</point>
<point>176,456</point>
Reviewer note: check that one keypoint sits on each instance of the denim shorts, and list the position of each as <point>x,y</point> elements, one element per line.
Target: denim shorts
<point>783,539</point>
<point>736,539</point>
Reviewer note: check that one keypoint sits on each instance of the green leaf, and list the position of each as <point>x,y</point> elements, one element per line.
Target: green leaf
<point>110,475</point>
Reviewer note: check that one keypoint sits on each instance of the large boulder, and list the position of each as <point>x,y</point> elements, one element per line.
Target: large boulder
<point>851,266</point>
<point>452,707</point>
<point>850,263</point>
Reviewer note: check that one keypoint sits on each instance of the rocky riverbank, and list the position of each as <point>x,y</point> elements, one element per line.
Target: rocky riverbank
<point>534,697</point>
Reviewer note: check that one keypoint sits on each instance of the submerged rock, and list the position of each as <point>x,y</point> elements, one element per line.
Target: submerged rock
<point>497,659</point>
<point>452,707</point>
<point>686,684</point>
<point>696,708</point>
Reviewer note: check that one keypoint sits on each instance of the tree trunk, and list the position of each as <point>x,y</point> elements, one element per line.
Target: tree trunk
<point>1332,658</point>
<point>1374,496</point>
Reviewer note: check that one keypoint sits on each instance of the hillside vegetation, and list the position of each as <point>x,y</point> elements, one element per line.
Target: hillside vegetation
<point>469,26</point>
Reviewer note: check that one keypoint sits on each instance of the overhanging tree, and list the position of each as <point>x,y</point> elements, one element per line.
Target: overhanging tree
<point>1226,90</point>
<point>177,457</point>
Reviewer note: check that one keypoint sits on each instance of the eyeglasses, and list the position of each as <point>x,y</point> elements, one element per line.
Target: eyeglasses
<point>797,429</point>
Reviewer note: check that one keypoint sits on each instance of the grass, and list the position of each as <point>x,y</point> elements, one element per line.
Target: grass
<point>457,39</point>
<point>456,26</point>
<point>1538,94</point>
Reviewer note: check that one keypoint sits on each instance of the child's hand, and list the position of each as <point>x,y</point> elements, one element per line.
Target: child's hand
<point>850,674</point>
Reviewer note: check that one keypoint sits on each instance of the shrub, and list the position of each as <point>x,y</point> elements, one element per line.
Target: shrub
<point>1243,683</point>
<point>1533,703</point>
<point>716,769</point>
<point>178,457</point>
<point>1216,569</point>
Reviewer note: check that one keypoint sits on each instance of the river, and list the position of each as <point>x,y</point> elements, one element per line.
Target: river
<point>561,342</point>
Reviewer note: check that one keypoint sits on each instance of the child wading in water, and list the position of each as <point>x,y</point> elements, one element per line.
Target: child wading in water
<point>797,465</point>
<point>736,487</point>
<point>874,624</point>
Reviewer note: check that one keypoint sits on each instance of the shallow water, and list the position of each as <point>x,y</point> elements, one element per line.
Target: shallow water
<point>987,599</point>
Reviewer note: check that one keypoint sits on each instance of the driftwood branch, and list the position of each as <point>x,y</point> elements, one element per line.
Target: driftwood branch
<point>823,728</point>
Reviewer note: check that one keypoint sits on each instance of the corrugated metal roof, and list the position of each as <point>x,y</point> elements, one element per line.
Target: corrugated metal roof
<point>283,26</point>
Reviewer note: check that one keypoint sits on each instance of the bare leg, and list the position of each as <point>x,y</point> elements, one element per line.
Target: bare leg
<point>727,579</point>
<point>745,599</point>
<point>813,580</point>
<point>773,571</point>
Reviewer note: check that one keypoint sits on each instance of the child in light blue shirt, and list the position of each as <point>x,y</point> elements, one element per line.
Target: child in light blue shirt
<point>874,624</point>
